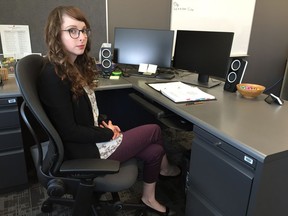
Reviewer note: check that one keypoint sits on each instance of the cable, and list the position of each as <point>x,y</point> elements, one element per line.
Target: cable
<point>107,22</point>
<point>272,86</point>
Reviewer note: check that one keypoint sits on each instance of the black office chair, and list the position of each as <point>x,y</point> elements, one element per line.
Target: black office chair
<point>84,180</point>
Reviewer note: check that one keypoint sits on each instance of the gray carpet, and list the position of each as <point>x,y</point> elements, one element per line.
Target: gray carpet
<point>28,202</point>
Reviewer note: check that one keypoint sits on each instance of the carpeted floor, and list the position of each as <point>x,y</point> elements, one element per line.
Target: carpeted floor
<point>171,192</point>
<point>28,202</point>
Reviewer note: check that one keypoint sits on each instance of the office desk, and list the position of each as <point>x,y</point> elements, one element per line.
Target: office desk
<point>248,124</point>
<point>239,156</point>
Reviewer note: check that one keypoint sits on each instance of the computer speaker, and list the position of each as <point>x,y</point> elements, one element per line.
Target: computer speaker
<point>235,73</point>
<point>105,58</point>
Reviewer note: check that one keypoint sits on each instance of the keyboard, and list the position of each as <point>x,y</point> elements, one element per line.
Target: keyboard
<point>140,74</point>
<point>165,76</point>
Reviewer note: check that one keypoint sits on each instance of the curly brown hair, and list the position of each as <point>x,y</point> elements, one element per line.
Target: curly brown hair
<point>57,55</point>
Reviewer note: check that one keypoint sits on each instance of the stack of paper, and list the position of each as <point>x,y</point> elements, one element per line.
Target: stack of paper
<point>181,92</point>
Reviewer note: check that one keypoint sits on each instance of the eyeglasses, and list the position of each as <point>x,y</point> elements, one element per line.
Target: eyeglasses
<point>75,33</point>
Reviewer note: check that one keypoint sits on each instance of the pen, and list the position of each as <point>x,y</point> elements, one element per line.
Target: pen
<point>193,103</point>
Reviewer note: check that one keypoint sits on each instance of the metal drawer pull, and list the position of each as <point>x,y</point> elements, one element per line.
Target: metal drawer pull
<point>218,144</point>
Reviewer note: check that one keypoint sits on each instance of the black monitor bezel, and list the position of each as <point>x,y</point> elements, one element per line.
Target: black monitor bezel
<point>166,55</point>
<point>203,45</point>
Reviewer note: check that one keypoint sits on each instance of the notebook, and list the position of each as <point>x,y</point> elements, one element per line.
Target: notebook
<point>181,92</point>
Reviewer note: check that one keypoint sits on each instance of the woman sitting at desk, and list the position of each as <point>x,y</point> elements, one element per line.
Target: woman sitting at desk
<point>66,89</point>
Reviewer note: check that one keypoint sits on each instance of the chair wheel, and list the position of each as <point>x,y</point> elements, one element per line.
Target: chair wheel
<point>47,207</point>
<point>140,212</point>
<point>118,206</point>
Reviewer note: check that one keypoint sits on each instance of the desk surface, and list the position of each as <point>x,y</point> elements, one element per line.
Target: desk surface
<point>251,125</point>
<point>10,88</point>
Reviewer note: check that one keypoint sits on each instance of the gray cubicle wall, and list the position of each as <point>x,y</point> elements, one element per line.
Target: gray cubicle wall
<point>153,14</point>
<point>35,12</point>
<point>268,47</point>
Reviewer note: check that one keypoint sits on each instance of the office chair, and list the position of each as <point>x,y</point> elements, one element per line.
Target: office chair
<point>82,181</point>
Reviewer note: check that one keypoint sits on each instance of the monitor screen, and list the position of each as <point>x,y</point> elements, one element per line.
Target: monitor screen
<point>206,53</point>
<point>143,46</point>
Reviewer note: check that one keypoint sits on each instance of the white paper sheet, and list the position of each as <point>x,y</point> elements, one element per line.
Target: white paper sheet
<point>15,40</point>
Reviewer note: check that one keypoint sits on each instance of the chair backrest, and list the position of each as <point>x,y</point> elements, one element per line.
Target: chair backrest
<point>26,73</point>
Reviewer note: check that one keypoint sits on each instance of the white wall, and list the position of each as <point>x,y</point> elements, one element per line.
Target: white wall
<point>216,15</point>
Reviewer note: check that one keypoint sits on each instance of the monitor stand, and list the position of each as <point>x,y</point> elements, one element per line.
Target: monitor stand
<point>194,80</point>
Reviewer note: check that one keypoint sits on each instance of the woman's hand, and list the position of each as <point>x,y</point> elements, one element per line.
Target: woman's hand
<point>116,130</point>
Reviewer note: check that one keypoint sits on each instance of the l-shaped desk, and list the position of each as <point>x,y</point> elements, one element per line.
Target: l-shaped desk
<point>239,155</point>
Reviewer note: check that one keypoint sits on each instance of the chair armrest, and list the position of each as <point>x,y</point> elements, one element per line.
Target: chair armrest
<point>90,166</point>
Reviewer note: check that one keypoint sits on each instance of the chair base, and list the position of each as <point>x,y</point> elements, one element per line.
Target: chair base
<point>110,207</point>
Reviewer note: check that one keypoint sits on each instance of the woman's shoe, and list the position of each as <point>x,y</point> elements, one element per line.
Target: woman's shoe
<point>162,177</point>
<point>166,213</point>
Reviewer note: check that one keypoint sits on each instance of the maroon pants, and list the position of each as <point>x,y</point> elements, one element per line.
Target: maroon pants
<point>144,143</point>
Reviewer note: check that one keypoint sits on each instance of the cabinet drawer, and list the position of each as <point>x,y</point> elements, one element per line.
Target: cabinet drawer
<point>234,152</point>
<point>221,179</point>
<point>11,139</point>
<point>8,102</point>
<point>12,169</point>
<point>9,117</point>
<point>196,205</point>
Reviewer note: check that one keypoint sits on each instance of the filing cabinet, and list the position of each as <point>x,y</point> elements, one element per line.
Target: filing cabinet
<point>220,177</point>
<point>12,158</point>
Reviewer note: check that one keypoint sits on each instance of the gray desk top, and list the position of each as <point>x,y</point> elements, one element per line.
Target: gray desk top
<point>251,125</point>
<point>109,84</point>
<point>10,88</point>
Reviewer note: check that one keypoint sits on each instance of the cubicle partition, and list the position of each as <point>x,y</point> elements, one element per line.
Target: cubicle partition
<point>34,14</point>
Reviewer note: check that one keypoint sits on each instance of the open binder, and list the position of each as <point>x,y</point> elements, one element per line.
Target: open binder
<point>181,92</point>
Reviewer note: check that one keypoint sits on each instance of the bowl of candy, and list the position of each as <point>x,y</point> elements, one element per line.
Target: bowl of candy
<point>248,90</point>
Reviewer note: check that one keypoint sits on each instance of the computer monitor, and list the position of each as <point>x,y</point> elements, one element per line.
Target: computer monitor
<point>143,46</point>
<point>206,53</point>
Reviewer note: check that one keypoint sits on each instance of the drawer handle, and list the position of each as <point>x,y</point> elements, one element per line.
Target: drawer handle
<point>218,144</point>
<point>12,101</point>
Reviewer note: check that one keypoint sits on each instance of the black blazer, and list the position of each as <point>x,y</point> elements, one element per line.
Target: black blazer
<point>72,119</point>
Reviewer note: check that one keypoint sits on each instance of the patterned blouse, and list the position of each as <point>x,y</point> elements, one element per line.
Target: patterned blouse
<point>105,148</point>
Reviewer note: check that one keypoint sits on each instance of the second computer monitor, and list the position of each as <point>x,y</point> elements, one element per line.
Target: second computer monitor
<point>148,46</point>
<point>206,53</point>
